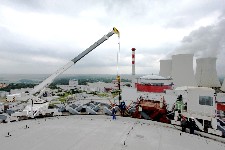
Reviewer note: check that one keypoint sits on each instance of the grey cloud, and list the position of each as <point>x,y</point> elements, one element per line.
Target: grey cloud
<point>160,50</point>
<point>204,42</point>
<point>184,16</point>
<point>18,49</point>
<point>67,7</point>
<point>120,12</point>
<point>180,22</point>
<point>135,8</point>
<point>23,4</point>
<point>12,43</point>
<point>169,13</point>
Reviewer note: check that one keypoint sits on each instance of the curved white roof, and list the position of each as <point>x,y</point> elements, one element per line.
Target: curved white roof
<point>154,77</point>
<point>99,133</point>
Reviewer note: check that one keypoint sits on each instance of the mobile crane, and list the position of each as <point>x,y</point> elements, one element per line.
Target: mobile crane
<point>37,91</point>
<point>49,80</point>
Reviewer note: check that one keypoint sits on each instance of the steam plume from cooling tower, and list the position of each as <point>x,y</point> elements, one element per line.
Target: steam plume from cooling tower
<point>204,42</point>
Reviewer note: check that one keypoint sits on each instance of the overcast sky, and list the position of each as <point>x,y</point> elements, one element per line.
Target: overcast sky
<point>40,36</point>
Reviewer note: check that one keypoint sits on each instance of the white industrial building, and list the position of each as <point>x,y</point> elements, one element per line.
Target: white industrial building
<point>206,74</point>
<point>98,87</point>
<point>22,90</point>
<point>13,97</point>
<point>3,93</point>
<point>73,84</point>
<point>18,94</point>
<point>165,68</point>
<point>182,70</point>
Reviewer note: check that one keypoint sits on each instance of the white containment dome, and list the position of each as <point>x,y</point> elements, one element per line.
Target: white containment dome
<point>206,74</point>
<point>223,86</point>
<point>182,70</point>
<point>165,68</point>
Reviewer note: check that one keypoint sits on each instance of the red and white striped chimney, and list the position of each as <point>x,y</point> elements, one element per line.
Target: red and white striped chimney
<point>133,61</point>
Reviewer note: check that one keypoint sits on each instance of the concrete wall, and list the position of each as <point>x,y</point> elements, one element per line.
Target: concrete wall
<point>223,86</point>
<point>165,68</point>
<point>182,70</point>
<point>206,74</point>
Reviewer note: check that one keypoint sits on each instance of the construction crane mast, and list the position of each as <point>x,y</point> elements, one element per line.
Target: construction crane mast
<point>50,79</point>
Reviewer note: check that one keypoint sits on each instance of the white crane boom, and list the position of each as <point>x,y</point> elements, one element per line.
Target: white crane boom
<point>50,79</point>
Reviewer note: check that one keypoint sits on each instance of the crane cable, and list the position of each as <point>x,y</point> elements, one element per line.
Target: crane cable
<point>118,76</point>
<point>118,55</point>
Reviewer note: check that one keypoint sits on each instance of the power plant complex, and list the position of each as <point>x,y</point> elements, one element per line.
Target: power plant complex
<point>180,72</point>
<point>179,89</point>
<point>178,101</point>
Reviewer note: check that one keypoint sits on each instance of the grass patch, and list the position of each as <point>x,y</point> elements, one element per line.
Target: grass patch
<point>103,95</point>
<point>63,98</point>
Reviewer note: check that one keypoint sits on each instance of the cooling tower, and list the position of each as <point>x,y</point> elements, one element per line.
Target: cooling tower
<point>182,70</point>
<point>165,68</point>
<point>223,86</point>
<point>206,74</point>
